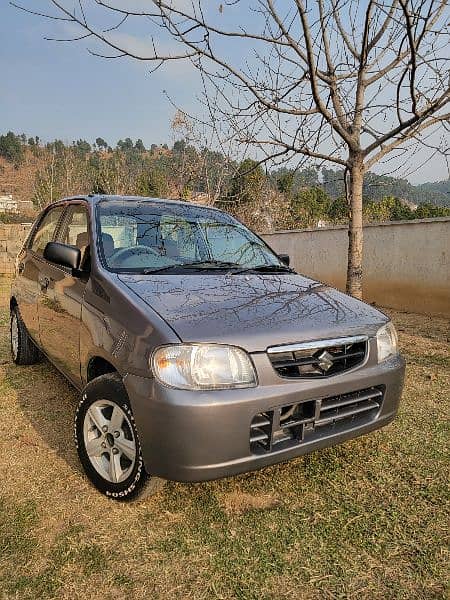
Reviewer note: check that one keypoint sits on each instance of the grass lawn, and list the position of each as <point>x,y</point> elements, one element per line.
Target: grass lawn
<point>368,519</point>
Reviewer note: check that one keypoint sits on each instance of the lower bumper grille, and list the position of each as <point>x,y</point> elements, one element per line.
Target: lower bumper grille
<point>293,424</point>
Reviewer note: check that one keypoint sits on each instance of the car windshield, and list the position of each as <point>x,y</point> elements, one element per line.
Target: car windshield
<point>148,236</point>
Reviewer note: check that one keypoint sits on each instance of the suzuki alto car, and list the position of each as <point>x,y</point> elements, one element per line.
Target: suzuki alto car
<point>199,353</point>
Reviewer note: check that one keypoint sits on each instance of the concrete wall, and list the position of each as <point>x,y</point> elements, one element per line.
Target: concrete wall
<point>406,263</point>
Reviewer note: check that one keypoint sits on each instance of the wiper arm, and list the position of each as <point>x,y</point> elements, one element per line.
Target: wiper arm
<point>158,269</point>
<point>199,264</point>
<point>208,264</point>
<point>266,269</point>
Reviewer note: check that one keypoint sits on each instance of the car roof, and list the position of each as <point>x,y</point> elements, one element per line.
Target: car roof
<point>95,198</point>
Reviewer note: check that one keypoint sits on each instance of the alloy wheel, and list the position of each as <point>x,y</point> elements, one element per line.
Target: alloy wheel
<point>109,440</point>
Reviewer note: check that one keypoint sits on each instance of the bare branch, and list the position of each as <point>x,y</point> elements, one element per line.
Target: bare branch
<point>412,131</point>
<point>409,125</point>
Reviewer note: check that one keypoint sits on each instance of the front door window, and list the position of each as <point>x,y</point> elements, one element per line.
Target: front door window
<point>75,232</point>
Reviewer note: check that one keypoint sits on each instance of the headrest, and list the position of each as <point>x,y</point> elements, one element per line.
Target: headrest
<point>82,240</point>
<point>108,244</point>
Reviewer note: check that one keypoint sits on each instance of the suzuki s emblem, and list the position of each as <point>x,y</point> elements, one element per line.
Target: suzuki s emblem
<point>325,361</point>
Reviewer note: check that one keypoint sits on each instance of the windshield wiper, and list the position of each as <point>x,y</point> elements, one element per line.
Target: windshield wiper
<point>232,267</point>
<point>208,264</point>
<point>199,264</point>
<point>265,269</point>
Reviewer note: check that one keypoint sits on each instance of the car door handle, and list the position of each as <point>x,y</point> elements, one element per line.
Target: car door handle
<point>44,282</point>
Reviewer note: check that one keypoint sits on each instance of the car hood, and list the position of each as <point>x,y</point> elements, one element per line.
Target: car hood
<point>253,311</point>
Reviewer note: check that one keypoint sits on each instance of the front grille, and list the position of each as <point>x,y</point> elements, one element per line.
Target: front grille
<point>293,424</point>
<point>318,359</point>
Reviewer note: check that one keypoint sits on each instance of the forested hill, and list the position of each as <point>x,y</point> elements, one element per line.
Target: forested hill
<point>41,173</point>
<point>438,192</point>
<point>376,187</point>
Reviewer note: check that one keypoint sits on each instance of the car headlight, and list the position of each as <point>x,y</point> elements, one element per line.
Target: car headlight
<point>203,367</point>
<point>387,341</point>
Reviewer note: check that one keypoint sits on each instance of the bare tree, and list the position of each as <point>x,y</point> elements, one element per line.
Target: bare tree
<point>342,81</point>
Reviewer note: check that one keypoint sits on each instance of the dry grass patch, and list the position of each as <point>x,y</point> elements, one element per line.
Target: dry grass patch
<point>237,502</point>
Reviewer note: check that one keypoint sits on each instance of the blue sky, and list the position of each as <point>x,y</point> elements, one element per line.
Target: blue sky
<point>58,90</point>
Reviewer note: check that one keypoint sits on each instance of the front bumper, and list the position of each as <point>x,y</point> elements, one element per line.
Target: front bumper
<point>197,436</point>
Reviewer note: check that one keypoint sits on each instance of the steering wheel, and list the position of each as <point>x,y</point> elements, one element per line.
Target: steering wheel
<point>120,257</point>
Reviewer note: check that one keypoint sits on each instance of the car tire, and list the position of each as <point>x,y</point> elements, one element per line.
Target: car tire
<point>107,441</point>
<point>23,349</point>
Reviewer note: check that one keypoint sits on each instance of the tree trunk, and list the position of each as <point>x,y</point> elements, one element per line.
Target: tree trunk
<point>355,231</point>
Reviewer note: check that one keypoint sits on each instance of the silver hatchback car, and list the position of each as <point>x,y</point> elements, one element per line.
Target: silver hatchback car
<point>199,353</point>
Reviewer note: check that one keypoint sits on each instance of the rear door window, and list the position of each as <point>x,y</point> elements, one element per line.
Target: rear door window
<point>46,230</point>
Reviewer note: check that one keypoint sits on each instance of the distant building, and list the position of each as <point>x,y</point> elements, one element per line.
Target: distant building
<point>26,207</point>
<point>8,204</point>
<point>200,198</point>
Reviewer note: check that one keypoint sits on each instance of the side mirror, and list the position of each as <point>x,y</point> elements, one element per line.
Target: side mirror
<point>285,258</point>
<point>63,254</point>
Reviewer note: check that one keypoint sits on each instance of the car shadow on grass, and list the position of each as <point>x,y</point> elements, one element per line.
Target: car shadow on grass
<point>48,402</point>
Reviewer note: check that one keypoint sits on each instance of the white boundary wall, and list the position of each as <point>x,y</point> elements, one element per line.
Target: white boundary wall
<point>406,263</point>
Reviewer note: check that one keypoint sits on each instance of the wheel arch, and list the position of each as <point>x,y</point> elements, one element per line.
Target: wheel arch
<point>98,365</point>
